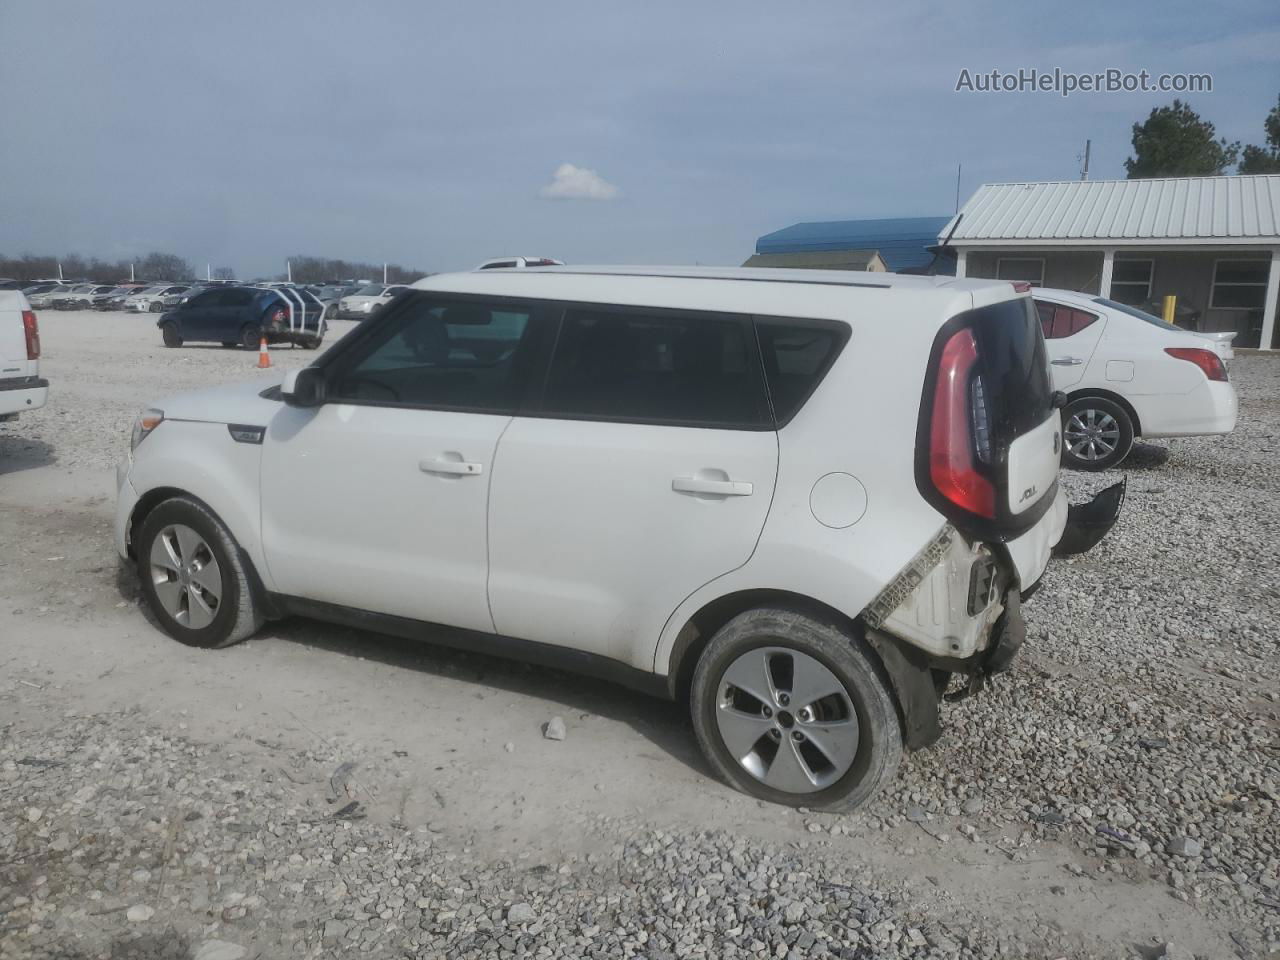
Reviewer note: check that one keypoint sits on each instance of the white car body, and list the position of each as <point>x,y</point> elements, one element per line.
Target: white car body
<point>21,387</point>
<point>604,541</point>
<point>368,300</point>
<point>38,301</point>
<point>144,300</point>
<point>1124,356</point>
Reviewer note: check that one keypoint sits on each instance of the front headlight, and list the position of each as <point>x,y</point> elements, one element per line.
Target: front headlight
<point>147,421</point>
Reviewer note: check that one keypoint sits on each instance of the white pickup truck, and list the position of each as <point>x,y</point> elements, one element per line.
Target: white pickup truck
<point>21,387</point>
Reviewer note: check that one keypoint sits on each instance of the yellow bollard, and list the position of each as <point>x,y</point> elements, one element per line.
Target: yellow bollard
<point>1169,303</point>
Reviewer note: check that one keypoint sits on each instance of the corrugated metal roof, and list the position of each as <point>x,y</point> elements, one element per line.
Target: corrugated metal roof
<point>901,241</point>
<point>820,260</point>
<point>1167,210</point>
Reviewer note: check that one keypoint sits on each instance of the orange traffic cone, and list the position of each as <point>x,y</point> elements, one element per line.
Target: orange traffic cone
<point>264,358</point>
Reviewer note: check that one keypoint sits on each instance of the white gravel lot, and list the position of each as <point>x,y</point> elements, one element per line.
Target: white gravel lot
<point>1116,792</point>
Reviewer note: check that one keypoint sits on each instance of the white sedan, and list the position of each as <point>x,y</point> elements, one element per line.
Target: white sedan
<point>1129,374</point>
<point>368,300</point>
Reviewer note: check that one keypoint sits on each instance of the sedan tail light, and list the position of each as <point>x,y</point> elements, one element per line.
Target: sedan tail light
<point>958,429</point>
<point>31,330</point>
<point>1206,360</point>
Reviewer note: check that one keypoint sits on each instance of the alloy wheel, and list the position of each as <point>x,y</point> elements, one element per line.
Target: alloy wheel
<point>1092,434</point>
<point>787,719</point>
<point>186,576</point>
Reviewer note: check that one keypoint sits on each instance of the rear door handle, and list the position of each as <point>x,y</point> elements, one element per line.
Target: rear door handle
<point>1067,362</point>
<point>453,468</point>
<point>716,488</point>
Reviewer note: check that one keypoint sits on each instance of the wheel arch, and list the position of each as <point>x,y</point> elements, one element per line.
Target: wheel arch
<point>1115,398</point>
<point>907,674</point>
<point>148,502</point>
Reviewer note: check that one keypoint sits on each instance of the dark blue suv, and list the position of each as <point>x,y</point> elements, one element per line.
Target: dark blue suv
<point>239,315</point>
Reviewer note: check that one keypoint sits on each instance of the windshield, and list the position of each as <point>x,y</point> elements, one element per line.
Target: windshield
<point>373,290</point>
<point>1135,312</point>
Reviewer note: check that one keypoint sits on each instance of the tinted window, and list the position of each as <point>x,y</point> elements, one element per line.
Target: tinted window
<point>1015,369</point>
<point>235,298</point>
<point>1058,321</point>
<point>465,355</point>
<point>796,357</point>
<point>207,299</point>
<point>655,368</point>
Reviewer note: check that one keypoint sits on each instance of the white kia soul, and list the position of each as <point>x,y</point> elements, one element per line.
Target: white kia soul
<point>801,501</point>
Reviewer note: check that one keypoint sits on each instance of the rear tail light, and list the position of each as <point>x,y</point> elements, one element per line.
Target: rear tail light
<point>959,431</point>
<point>1206,360</point>
<point>31,330</point>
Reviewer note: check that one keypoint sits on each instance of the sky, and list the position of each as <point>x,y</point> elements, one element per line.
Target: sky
<point>439,134</point>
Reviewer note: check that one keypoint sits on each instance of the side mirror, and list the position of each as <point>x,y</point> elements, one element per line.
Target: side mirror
<point>303,388</point>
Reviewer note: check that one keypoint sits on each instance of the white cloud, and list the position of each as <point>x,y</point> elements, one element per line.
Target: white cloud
<point>578,183</point>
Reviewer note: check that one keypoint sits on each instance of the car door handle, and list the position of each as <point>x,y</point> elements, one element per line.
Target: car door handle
<point>453,468</point>
<point>717,488</point>
<point>1067,362</point>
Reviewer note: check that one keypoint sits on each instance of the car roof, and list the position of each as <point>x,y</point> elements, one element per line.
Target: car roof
<point>758,290</point>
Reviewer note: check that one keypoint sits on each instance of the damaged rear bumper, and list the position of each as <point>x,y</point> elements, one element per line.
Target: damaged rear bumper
<point>1088,523</point>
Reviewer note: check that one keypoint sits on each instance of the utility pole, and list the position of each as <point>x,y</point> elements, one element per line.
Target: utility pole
<point>208,271</point>
<point>1084,170</point>
<point>289,266</point>
<point>384,271</point>
<point>131,273</point>
<point>958,167</point>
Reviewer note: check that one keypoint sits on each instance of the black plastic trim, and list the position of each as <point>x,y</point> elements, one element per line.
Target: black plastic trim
<point>512,648</point>
<point>23,383</point>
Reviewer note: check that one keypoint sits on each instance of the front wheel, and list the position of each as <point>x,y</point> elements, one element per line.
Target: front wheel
<point>1096,434</point>
<point>193,576</point>
<point>795,710</point>
<point>172,338</point>
<point>251,336</point>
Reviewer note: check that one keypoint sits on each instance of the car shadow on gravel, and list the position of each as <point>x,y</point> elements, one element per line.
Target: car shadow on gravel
<point>23,453</point>
<point>1145,456</point>
<point>662,722</point>
<point>169,945</point>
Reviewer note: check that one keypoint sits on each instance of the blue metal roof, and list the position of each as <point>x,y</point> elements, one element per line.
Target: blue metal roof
<point>901,241</point>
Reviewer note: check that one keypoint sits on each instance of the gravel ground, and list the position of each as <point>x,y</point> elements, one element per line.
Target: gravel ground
<point>1115,792</point>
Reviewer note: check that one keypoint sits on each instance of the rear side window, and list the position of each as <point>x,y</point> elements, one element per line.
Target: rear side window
<point>656,368</point>
<point>1058,321</point>
<point>796,356</point>
<point>235,298</point>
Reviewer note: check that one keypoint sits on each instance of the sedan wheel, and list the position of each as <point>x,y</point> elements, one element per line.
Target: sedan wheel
<point>187,578</point>
<point>1096,434</point>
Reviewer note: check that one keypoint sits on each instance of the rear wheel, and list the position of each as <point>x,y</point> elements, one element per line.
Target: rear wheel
<point>193,576</point>
<point>1096,434</point>
<point>795,710</point>
<point>172,338</point>
<point>251,336</point>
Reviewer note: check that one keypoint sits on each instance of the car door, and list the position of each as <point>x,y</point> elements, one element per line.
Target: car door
<point>645,471</point>
<point>1071,336</point>
<point>378,498</point>
<point>194,316</point>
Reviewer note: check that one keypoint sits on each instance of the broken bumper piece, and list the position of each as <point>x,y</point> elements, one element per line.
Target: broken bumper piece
<point>1088,523</point>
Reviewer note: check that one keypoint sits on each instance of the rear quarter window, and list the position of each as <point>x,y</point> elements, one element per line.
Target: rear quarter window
<point>797,355</point>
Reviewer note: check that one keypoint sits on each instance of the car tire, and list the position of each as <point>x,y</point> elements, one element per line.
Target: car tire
<point>172,338</point>
<point>780,652</point>
<point>1097,434</point>
<point>156,308</point>
<point>251,336</point>
<point>194,577</point>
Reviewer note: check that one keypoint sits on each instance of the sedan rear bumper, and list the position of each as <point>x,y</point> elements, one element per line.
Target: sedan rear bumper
<point>1208,410</point>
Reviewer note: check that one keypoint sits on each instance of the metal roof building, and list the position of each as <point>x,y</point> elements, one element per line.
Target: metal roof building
<point>1212,242</point>
<point>901,242</point>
